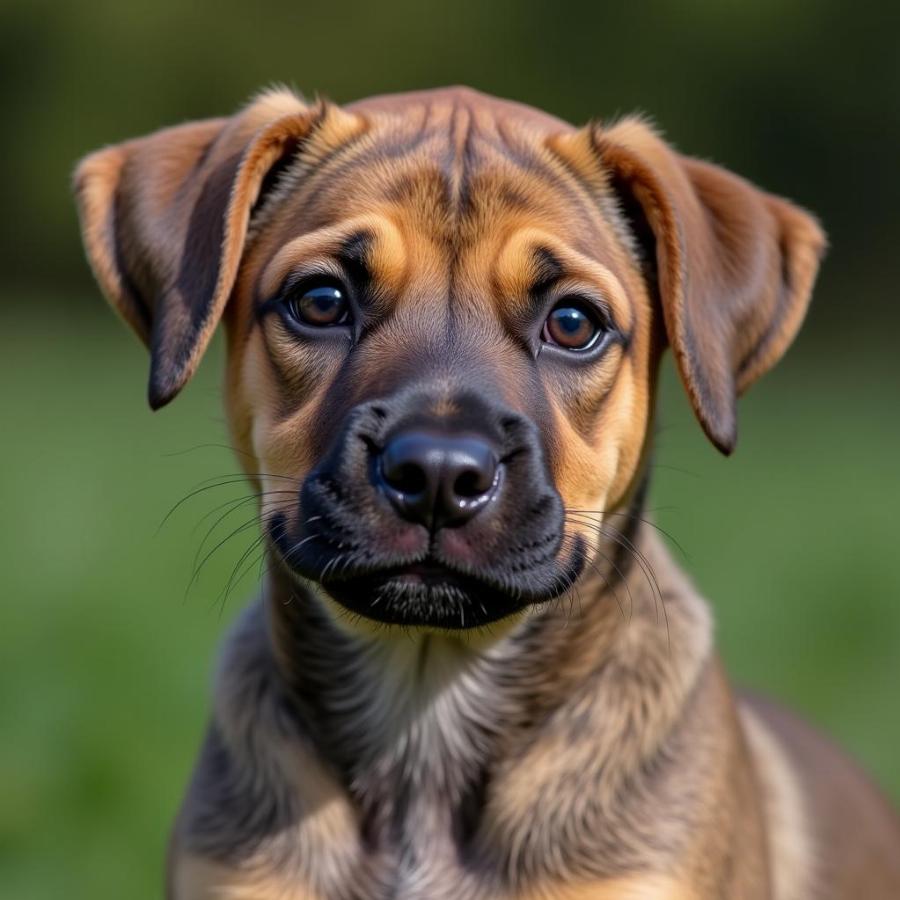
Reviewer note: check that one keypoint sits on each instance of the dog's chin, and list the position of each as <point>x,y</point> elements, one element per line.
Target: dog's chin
<point>416,597</point>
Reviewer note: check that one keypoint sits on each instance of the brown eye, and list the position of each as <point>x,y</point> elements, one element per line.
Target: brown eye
<point>319,305</point>
<point>571,327</point>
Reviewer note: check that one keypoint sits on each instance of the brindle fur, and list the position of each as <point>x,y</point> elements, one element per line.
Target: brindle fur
<point>587,747</point>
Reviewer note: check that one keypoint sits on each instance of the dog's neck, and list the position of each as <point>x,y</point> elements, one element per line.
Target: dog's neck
<point>419,728</point>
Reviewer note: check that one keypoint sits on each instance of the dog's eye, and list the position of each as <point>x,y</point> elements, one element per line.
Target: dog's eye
<point>321,305</point>
<point>572,326</point>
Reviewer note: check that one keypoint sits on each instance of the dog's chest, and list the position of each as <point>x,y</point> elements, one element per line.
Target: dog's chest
<point>417,835</point>
<point>419,794</point>
<point>406,786</point>
<point>415,798</point>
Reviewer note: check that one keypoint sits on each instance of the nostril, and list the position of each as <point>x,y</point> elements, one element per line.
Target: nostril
<point>406,465</point>
<point>472,483</point>
<point>408,478</point>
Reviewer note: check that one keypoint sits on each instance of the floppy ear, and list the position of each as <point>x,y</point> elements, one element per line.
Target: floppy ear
<point>164,219</point>
<point>734,265</point>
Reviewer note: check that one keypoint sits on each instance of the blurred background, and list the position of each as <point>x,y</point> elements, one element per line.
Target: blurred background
<point>106,647</point>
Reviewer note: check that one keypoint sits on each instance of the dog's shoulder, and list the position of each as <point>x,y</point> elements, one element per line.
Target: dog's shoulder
<point>831,833</point>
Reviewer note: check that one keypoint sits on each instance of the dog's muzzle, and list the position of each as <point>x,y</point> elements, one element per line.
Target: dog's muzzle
<point>447,521</point>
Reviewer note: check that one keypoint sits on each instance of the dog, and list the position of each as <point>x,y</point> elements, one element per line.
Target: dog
<point>474,670</point>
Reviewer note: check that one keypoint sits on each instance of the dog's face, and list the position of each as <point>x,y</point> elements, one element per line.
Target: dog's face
<point>445,315</point>
<point>439,336</point>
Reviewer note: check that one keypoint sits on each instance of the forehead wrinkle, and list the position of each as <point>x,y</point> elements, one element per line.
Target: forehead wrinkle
<point>397,137</point>
<point>537,158</point>
<point>460,159</point>
<point>452,166</point>
<point>318,193</point>
<point>335,134</point>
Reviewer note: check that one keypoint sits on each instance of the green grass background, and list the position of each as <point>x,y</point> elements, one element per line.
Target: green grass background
<point>105,664</point>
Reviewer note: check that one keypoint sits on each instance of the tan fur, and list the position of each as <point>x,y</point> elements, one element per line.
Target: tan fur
<point>588,747</point>
<point>641,888</point>
<point>198,879</point>
<point>793,856</point>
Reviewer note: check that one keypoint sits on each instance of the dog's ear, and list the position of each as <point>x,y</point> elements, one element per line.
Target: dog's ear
<point>164,219</point>
<point>734,265</point>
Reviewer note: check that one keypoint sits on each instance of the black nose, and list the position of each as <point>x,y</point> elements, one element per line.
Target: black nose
<point>437,479</point>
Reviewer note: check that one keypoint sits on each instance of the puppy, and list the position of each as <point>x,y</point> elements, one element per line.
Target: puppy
<point>474,671</point>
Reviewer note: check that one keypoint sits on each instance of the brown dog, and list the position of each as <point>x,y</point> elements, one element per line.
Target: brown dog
<point>474,671</point>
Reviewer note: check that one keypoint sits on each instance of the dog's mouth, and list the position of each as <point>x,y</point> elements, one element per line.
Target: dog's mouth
<point>427,592</point>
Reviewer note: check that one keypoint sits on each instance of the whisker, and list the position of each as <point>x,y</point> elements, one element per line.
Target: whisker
<point>234,503</point>
<point>257,495</point>
<point>649,574</point>
<point>689,472</point>
<point>628,515</point>
<point>248,560</point>
<point>606,580</point>
<point>626,544</point>
<point>194,493</point>
<point>208,446</point>
<point>234,579</point>
<point>235,506</point>
<point>299,544</point>
<point>239,530</point>
<point>217,481</point>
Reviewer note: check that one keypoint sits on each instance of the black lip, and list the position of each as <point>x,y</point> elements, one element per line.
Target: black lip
<point>426,593</point>
<point>423,594</point>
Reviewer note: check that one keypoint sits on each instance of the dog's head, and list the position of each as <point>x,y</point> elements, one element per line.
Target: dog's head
<point>445,314</point>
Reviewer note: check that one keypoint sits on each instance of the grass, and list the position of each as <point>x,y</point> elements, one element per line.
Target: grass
<point>105,663</point>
